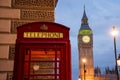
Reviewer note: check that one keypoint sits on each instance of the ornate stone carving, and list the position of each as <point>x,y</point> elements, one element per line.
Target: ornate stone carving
<point>11,52</point>
<point>34,4</point>
<point>16,23</point>
<point>41,15</point>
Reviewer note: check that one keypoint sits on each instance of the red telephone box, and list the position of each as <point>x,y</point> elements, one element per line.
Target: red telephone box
<point>42,52</point>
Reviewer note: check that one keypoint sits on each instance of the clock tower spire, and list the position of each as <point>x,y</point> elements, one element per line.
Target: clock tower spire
<point>85,50</point>
<point>84,21</point>
<point>84,18</point>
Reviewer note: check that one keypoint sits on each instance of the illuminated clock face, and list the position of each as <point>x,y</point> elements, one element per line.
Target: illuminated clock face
<point>86,39</point>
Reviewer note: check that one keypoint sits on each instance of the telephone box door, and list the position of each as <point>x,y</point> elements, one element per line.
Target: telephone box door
<point>43,63</point>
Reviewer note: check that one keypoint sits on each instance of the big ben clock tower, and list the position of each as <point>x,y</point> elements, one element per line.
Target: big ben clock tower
<point>85,47</point>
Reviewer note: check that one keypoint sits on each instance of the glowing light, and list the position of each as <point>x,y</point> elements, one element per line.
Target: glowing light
<point>114,32</point>
<point>36,67</point>
<point>84,60</point>
<point>79,78</point>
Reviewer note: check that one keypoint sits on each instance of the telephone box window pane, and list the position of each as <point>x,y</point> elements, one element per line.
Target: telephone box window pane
<point>42,54</point>
<point>43,59</point>
<point>43,65</point>
<point>58,59</point>
<point>43,71</point>
<point>42,78</point>
<point>58,64</point>
<point>58,77</point>
<point>58,71</point>
<point>42,68</point>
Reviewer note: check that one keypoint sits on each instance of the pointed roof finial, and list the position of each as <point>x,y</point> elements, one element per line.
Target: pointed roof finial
<point>84,24</point>
<point>84,7</point>
<point>84,15</point>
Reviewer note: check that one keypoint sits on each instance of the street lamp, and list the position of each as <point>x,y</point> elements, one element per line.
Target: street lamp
<point>84,66</point>
<point>79,78</point>
<point>114,33</point>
